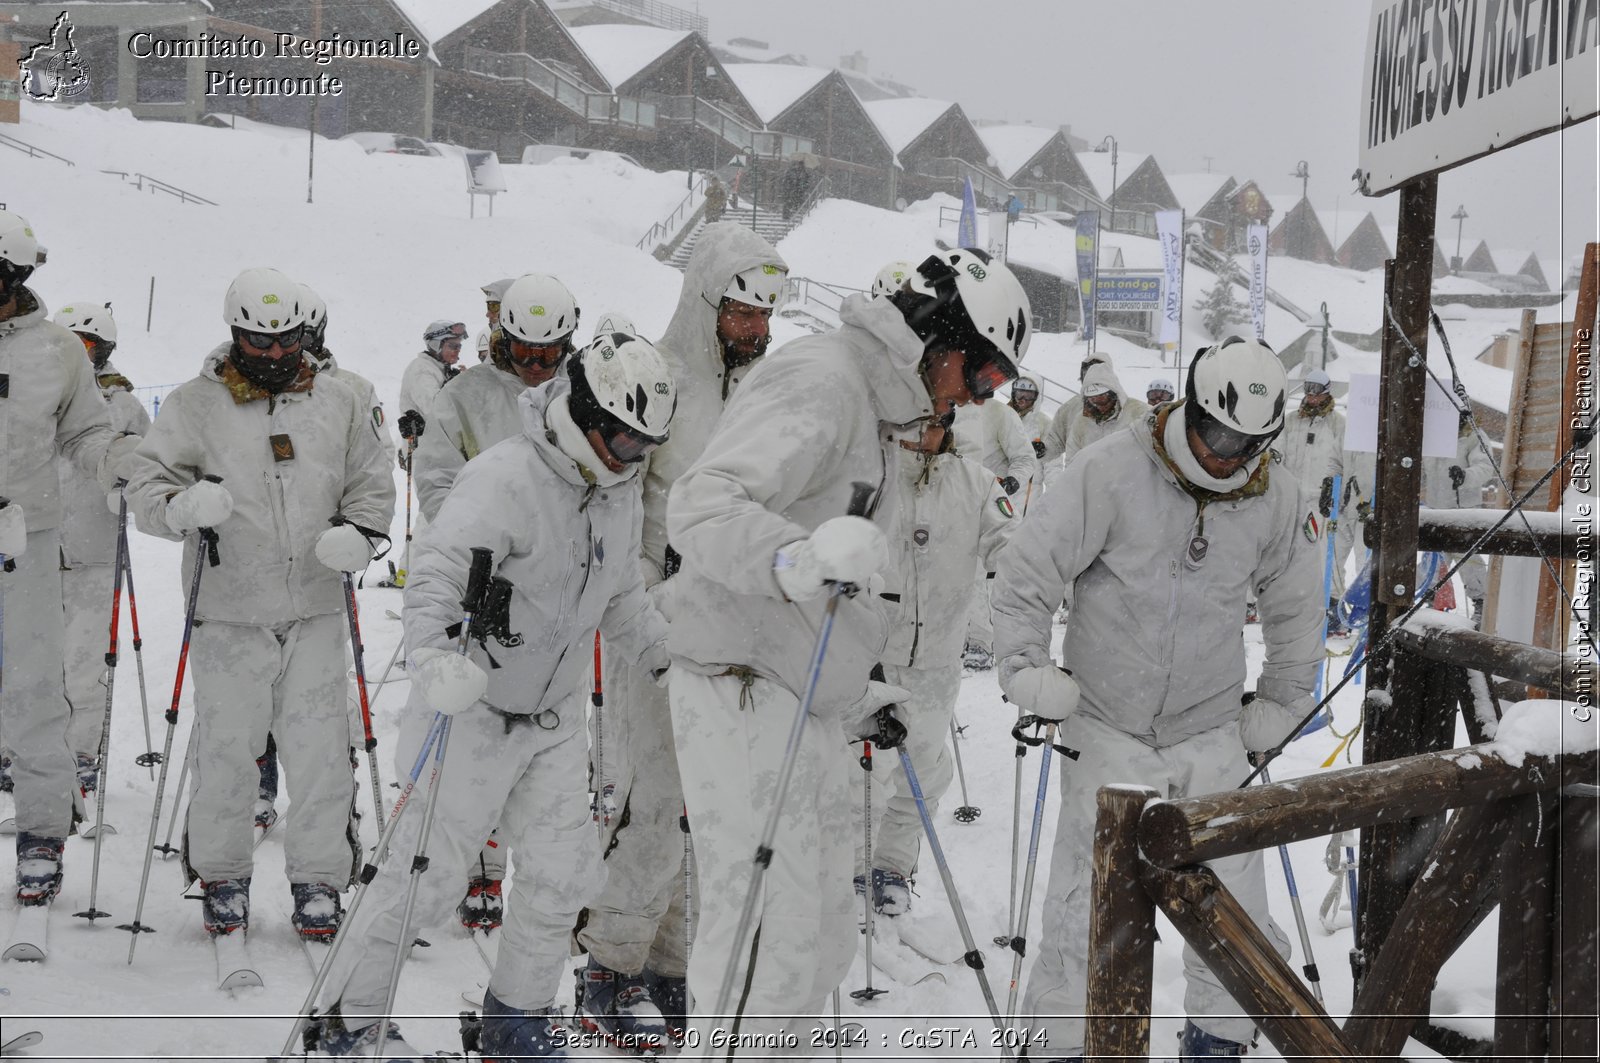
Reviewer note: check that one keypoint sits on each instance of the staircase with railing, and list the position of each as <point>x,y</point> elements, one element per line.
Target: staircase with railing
<point>728,127</point>
<point>766,222</point>
<point>140,181</point>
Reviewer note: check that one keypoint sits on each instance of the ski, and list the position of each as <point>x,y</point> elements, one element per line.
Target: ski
<point>8,825</point>
<point>30,936</point>
<point>925,941</point>
<point>316,952</point>
<point>487,943</point>
<point>900,964</point>
<point>27,1040</point>
<point>89,833</point>
<point>234,970</point>
<point>262,832</point>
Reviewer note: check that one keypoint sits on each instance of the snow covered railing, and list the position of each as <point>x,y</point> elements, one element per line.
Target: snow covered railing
<point>1456,530</point>
<point>1445,637</point>
<point>31,151</point>
<point>668,229</point>
<point>155,184</point>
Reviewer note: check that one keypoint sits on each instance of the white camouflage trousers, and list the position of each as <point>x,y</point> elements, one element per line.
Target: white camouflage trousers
<point>289,680</point>
<point>86,601</point>
<point>531,782</point>
<point>897,838</point>
<point>33,707</point>
<point>731,740</point>
<point>1058,980</point>
<point>980,623</point>
<point>635,922</point>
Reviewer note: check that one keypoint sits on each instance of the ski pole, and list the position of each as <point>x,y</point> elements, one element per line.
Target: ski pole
<point>688,884</point>
<point>146,760</point>
<point>358,651</point>
<point>383,680</point>
<point>103,749</point>
<point>602,814</point>
<point>1004,940</point>
<point>1310,965</point>
<point>869,993</point>
<point>966,813</point>
<point>973,957</point>
<point>860,498</point>
<point>1327,588</point>
<point>411,457</point>
<point>205,549</point>
<point>477,586</point>
<point>166,848</point>
<point>1019,943</point>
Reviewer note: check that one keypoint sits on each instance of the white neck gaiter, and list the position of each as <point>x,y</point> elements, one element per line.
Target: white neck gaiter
<point>1176,441</point>
<point>575,445</point>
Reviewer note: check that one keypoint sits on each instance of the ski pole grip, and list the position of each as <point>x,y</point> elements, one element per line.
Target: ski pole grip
<point>478,578</point>
<point>860,498</point>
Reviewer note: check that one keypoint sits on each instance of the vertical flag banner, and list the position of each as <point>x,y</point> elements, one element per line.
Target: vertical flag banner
<point>1257,242</point>
<point>1088,246</point>
<point>1169,230</point>
<point>967,233</point>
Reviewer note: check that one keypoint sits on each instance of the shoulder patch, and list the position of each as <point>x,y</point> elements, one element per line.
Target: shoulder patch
<point>1005,507</point>
<point>1311,528</point>
<point>377,417</point>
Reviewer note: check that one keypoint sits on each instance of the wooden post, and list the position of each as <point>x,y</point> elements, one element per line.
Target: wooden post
<point>1122,931</point>
<point>1498,656</point>
<point>1527,917</point>
<point>1427,930</point>
<point>1575,992</point>
<point>1244,961</point>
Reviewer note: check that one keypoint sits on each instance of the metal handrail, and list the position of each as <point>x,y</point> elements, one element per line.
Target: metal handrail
<point>560,85</point>
<point>140,180</point>
<point>947,213</point>
<point>658,14</point>
<point>731,128</point>
<point>669,226</point>
<point>31,151</point>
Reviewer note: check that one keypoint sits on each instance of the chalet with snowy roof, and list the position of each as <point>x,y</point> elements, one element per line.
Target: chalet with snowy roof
<point>1133,187</point>
<point>1300,235</point>
<point>1480,261</point>
<point>1040,162</point>
<point>938,149</point>
<point>630,12</point>
<point>1204,199</point>
<point>817,104</point>
<point>1366,247</point>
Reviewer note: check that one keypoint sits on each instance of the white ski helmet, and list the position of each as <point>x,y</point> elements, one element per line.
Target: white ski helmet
<point>263,300</point>
<point>1237,390</point>
<point>1161,384</point>
<point>495,291</point>
<point>89,316</point>
<point>614,321</point>
<point>538,309</point>
<point>483,344</point>
<point>316,310</point>
<point>974,304</point>
<point>891,278</point>
<point>439,331</point>
<point>1025,384</point>
<point>622,388</point>
<point>1316,378</point>
<point>759,285</point>
<point>18,245</point>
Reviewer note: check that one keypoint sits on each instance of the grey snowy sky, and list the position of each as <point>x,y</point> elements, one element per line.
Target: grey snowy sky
<point>1258,85</point>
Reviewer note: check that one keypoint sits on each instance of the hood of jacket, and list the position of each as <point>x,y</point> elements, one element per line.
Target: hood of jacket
<point>898,395</point>
<point>722,249</point>
<point>533,407</point>
<point>1101,373</point>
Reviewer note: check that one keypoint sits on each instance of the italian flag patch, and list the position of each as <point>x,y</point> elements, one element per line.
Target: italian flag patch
<point>1311,528</point>
<point>1005,507</point>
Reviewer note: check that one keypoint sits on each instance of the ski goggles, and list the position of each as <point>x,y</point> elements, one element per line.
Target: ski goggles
<point>1316,389</point>
<point>987,372</point>
<point>544,355</point>
<point>1230,444</point>
<point>288,340</point>
<point>99,349</point>
<point>628,446</point>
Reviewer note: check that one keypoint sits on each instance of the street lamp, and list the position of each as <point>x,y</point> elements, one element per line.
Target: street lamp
<point>1102,149</point>
<point>1303,171</point>
<point>1460,216</point>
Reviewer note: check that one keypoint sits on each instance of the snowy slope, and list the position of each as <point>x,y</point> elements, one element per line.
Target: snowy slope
<point>388,244</point>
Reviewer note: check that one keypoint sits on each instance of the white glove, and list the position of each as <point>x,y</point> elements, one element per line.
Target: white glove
<point>13,531</point>
<point>114,502</point>
<point>1048,693</point>
<point>841,550</point>
<point>203,505</point>
<point>118,452</point>
<point>344,549</point>
<point>859,720</point>
<point>663,596</point>
<point>449,682</point>
<point>1264,723</point>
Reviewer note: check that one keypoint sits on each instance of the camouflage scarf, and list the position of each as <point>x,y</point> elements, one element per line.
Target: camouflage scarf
<point>1203,496</point>
<point>244,391</point>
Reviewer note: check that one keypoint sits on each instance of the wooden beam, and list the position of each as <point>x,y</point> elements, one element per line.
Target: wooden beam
<point>1568,676</point>
<point>1212,921</point>
<point>1576,993</point>
<point>1394,995</point>
<point>1527,919</point>
<point>1189,830</point>
<point>1122,931</point>
<point>1438,532</point>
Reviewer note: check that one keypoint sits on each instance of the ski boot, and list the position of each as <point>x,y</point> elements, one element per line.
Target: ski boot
<point>227,905</point>
<point>38,868</point>
<point>337,1040</point>
<point>619,1007</point>
<point>317,913</point>
<point>1195,1043</point>
<point>890,893</point>
<point>511,1034</point>
<point>672,997</point>
<point>1251,615</point>
<point>88,773</point>
<point>481,908</point>
<point>977,659</point>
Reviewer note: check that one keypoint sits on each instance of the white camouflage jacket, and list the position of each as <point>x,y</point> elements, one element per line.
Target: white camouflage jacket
<point>952,514</point>
<point>815,416</point>
<point>421,381</point>
<point>1082,431</point>
<point>88,528</point>
<point>569,549</point>
<point>1154,638</point>
<point>365,393</point>
<point>49,404</point>
<point>992,436</point>
<point>1311,449</point>
<point>292,462</point>
<point>471,413</point>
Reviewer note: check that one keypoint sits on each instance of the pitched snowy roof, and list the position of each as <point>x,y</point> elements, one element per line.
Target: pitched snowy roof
<point>437,19</point>
<point>620,52</point>
<point>1194,190</point>
<point>773,88</point>
<point>903,120</point>
<point>1097,164</point>
<point>1013,145</point>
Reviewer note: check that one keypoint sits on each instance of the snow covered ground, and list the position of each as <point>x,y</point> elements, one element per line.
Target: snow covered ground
<point>389,245</point>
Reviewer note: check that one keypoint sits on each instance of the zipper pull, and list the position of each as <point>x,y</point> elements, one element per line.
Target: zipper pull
<point>1172,566</point>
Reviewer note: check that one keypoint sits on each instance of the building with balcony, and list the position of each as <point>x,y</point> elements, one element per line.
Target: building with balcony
<point>1040,164</point>
<point>937,150</point>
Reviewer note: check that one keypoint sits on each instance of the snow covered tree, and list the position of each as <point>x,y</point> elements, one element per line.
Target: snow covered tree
<point>1218,308</point>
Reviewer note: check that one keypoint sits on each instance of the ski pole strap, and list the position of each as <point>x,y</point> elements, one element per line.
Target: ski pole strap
<point>1039,723</point>
<point>372,535</point>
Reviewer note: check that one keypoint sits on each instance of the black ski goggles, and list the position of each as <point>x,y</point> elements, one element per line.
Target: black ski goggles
<point>627,445</point>
<point>987,372</point>
<point>547,356</point>
<point>99,349</point>
<point>288,340</point>
<point>1229,444</point>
